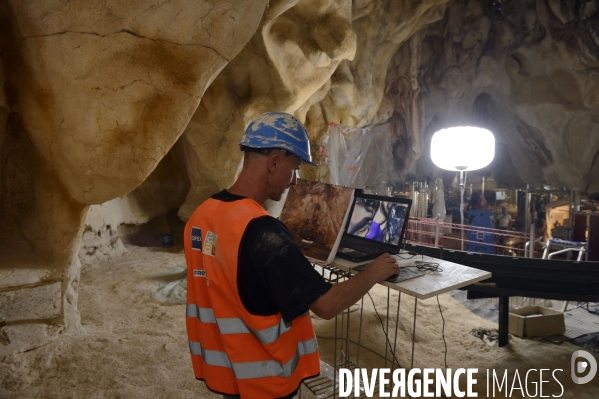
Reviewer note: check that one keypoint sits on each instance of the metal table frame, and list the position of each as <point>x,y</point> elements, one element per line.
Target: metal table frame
<point>423,287</point>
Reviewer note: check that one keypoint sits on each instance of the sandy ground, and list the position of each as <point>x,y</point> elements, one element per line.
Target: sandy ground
<point>131,346</point>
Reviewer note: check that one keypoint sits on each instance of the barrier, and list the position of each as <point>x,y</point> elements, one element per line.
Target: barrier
<point>479,238</point>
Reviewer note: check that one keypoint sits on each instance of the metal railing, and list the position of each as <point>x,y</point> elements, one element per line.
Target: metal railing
<point>436,233</point>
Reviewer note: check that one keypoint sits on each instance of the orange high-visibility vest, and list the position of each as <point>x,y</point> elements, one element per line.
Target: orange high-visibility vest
<point>233,351</point>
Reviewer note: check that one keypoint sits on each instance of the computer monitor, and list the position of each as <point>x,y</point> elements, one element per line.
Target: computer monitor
<point>378,218</point>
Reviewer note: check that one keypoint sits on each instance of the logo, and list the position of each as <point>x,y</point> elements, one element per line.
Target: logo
<point>581,366</point>
<point>417,382</point>
<point>429,383</point>
<point>196,238</point>
<point>210,243</point>
<point>199,273</point>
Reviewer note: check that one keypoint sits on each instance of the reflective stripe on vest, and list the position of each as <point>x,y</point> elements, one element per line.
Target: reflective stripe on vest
<point>214,358</point>
<point>234,351</point>
<point>205,315</point>
<point>268,368</point>
<point>236,325</point>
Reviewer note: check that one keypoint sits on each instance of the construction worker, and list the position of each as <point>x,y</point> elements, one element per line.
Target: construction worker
<point>249,287</point>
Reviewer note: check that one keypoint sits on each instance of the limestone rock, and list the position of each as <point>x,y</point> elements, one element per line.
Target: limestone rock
<point>358,86</point>
<point>163,191</point>
<point>532,80</point>
<point>137,69</point>
<point>28,336</point>
<point>94,95</point>
<point>35,303</point>
<point>292,55</point>
<point>22,268</point>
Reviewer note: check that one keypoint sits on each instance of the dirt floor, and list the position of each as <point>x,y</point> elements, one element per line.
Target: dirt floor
<point>132,346</point>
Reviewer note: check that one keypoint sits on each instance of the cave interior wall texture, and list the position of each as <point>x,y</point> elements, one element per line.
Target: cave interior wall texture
<point>117,113</point>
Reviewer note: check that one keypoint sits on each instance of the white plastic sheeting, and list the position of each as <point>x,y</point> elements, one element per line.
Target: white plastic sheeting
<point>439,196</point>
<point>172,285</point>
<point>358,157</point>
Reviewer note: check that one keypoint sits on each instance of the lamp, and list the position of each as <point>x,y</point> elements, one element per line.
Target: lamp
<point>460,149</point>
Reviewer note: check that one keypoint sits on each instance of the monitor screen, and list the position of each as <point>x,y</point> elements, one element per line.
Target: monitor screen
<point>377,220</point>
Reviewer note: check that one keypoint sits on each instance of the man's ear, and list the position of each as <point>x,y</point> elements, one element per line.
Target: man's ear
<point>273,160</point>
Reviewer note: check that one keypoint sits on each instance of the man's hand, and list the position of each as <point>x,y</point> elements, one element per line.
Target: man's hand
<point>383,267</point>
<point>343,295</point>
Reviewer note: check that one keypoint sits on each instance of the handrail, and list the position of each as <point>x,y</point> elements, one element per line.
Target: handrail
<point>435,233</point>
<point>581,251</point>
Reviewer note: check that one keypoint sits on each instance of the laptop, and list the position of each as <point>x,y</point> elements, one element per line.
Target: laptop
<point>376,224</point>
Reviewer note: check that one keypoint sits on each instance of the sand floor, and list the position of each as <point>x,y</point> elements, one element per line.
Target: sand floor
<point>132,346</point>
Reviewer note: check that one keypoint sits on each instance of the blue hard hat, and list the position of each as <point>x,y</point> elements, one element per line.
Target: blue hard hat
<point>281,131</point>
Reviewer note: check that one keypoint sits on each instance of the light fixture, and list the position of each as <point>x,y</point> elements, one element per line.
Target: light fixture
<point>460,149</point>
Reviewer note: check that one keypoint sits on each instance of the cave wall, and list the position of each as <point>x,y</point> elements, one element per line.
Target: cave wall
<point>96,94</point>
<point>532,79</point>
<point>142,216</point>
<point>289,59</point>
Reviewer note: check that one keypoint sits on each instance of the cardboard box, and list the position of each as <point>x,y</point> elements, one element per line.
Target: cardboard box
<point>536,321</point>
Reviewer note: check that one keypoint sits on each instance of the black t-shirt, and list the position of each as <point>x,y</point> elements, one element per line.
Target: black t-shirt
<point>273,275</point>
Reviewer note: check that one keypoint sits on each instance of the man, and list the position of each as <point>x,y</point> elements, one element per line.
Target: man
<point>249,287</point>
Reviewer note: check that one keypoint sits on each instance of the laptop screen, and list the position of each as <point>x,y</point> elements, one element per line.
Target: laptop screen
<point>377,218</point>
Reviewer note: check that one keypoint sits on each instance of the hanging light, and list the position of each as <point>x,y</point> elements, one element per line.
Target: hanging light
<point>462,148</point>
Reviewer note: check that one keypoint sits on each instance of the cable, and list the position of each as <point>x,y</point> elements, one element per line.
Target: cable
<point>409,257</point>
<point>443,330</point>
<point>374,352</point>
<point>383,327</point>
<point>421,265</point>
<point>426,266</point>
<point>585,306</point>
<point>387,335</point>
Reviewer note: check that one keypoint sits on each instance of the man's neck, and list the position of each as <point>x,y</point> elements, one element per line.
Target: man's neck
<point>248,188</point>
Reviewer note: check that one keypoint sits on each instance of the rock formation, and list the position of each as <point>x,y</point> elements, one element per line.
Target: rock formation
<point>532,79</point>
<point>136,109</point>
<point>95,95</point>
<point>292,56</point>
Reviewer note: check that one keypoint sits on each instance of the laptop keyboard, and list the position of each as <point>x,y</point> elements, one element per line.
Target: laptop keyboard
<point>356,244</point>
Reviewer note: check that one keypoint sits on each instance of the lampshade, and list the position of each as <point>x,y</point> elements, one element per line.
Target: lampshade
<point>462,148</point>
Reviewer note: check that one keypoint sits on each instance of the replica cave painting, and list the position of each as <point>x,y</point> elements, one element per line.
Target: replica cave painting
<point>314,213</point>
<point>136,109</point>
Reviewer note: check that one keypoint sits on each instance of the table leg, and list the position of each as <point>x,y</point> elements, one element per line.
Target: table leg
<point>360,332</point>
<point>387,329</point>
<point>344,360</point>
<point>347,339</point>
<point>395,335</point>
<point>335,360</point>
<point>504,309</point>
<point>414,332</point>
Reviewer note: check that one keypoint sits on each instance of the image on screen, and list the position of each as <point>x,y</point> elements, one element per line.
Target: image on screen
<point>377,220</point>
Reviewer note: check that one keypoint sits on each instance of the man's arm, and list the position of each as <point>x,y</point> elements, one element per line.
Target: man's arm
<point>342,295</point>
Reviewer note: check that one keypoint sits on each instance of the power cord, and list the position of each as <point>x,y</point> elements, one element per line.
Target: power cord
<point>383,328</point>
<point>409,257</point>
<point>590,307</point>
<point>443,330</point>
<point>421,265</point>
<point>387,335</point>
<point>426,266</point>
